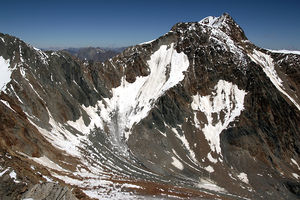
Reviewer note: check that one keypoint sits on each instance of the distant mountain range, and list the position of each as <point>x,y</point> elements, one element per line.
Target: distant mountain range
<point>96,54</point>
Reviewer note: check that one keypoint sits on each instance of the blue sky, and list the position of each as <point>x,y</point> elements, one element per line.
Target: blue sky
<point>114,23</point>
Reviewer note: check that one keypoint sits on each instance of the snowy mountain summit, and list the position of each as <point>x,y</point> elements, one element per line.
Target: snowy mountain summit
<point>199,113</point>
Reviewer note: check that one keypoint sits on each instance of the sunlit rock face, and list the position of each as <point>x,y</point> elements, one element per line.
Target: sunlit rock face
<point>200,112</point>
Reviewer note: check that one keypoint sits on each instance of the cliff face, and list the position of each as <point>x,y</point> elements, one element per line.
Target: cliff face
<point>200,112</point>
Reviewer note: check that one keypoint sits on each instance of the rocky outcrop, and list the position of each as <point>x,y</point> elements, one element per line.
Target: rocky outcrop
<point>49,191</point>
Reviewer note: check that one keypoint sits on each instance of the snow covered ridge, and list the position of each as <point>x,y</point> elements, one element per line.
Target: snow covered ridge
<point>210,21</point>
<point>5,72</point>
<point>284,51</point>
<point>243,177</point>
<point>227,100</point>
<point>216,22</point>
<point>266,62</point>
<point>148,42</point>
<point>42,55</point>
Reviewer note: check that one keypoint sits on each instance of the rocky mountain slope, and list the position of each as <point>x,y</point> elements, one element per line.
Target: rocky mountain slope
<point>199,113</point>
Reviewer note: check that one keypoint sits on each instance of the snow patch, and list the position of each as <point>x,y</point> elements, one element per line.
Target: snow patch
<point>22,71</point>
<point>95,119</point>
<point>127,185</point>
<point>5,72</point>
<point>243,177</point>
<point>20,52</point>
<point>7,104</point>
<point>110,194</point>
<point>3,172</point>
<point>186,144</point>
<point>228,100</point>
<point>60,137</point>
<point>209,185</point>
<point>45,161</point>
<point>68,180</point>
<point>147,42</point>
<point>295,163</point>
<point>209,168</point>
<point>186,163</point>
<point>42,55</point>
<point>176,163</point>
<point>209,21</point>
<point>78,125</point>
<point>266,62</point>
<point>131,102</point>
<point>211,159</point>
<point>296,175</point>
<point>13,174</point>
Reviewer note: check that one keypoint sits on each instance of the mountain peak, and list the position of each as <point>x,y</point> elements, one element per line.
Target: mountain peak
<point>217,21</point>
<point>226,24</point>
<point>210,20</point>
<point>211,25</point>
